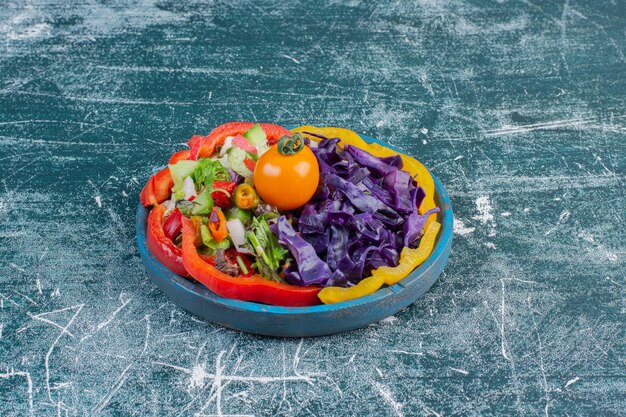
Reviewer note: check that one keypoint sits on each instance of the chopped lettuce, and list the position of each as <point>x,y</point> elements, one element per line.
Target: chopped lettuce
<point>181,170</point>
<point>236,213</point>
<point>203,204</point>
<point>210,243</point>
<point>236,158</point>
<point>207,171</point>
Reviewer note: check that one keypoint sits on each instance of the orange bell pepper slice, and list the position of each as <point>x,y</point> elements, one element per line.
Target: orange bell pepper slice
<point>217,224</point>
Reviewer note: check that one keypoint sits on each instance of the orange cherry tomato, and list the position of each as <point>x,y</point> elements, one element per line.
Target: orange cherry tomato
<point>287,175</point>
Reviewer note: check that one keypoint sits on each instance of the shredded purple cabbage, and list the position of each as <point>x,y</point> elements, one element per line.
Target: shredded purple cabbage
<point>365,211</point>
<point>311,269</point>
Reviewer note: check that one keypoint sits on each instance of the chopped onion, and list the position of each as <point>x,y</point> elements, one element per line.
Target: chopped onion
<point>224,161</point>
<point>189,188</point>
<point>237,234</point>
<point>228,143</point>
<point>169,204</point>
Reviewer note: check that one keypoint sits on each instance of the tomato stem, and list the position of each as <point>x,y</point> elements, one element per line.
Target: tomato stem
<point>290,145</point>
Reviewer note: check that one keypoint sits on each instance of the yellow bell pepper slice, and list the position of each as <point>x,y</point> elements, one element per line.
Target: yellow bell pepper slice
<point>410,258</point>
<point>368,285</point>
<point>346,136</point>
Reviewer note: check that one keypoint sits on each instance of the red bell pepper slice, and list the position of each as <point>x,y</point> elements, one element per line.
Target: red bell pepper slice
<point>157,189</point>
<point>204,146</point>
<point>254,288</point>
<point>161,246</point>
<point>179,156</point>
<point>220,198</point>
<point>232,254</point>
<point>274,132</point>
<point>250,164</point>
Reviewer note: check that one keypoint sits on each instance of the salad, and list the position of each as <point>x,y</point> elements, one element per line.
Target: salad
<point>256,212</point>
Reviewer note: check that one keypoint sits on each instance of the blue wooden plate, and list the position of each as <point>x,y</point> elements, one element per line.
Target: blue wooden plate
<point>303,321</point>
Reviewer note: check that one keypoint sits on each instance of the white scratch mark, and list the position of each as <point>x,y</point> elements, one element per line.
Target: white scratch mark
<point>502,315</point>
<point>423,79</point>
<point>523,280</point>
<point>380,372</point>
<point>178,368</point>
<point>389,320</point>
<point>27,298</point>
<point>12,265</point>
<point>186,70</point>
<point>147,338</point>
<point>572,381</point>
<point>221,380</point>
<point>461,371</point>
<point>107,398</point>
<point>500,323</point>
<point>556,124</point>
<point>106,100</point>
<point>4,297</point>
<point>385,392</point>
<point>404,352</point>
<point>50,322</point>
<point>562,219</point>
<point>485,213</point>
<point>27,24</point>
<point>291,58</point>
<point>564,43</point>
<point>112,316</point>
<point>546,388</point>
<point>11,373</point>
<point>64,330</point>
<point>296,356</point>
<point>461,229</point>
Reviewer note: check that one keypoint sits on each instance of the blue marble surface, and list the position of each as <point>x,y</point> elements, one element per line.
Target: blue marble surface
<point>519,107</point>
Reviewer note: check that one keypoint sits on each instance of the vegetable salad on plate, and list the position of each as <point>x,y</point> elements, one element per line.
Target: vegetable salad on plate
<point>256,212</point>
